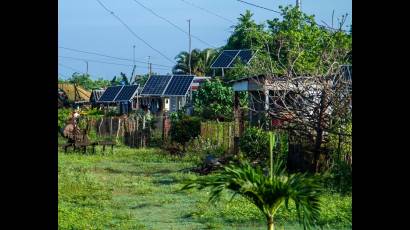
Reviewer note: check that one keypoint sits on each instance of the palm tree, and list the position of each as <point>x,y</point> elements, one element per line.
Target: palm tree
<point>207,56</point>
<point>266,193</point>
<point>200,62</point>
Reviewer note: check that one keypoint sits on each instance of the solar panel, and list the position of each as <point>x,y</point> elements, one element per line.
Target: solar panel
<point>179,85</point>
<point>127,93</point>
<point>224,59</point>
<point>156,85</point>
<point>110,93</point>
<point>244,56</point>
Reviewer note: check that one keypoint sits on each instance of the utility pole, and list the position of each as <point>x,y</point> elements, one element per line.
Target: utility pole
<point>189,34</point>
<point>133,69</point>
<point>86,62</point>
<point>149,67</point>
<point>298,4</point>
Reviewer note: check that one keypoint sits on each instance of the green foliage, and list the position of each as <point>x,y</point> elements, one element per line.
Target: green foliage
<point>246,34</point>
<point>214,101</point>
<point>268,194</point>
<point>86,82</point>
<point>300,43</point>
<point>254,144</point>
<point>63,115</point>
<point>295,44</point>
<point>185,129</point>
<point>200,62</point>
<point>120,80</point>
<point>339,175</point>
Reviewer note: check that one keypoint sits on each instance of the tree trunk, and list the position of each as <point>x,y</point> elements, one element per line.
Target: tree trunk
<point>319,131</point>
<point>270,223</point>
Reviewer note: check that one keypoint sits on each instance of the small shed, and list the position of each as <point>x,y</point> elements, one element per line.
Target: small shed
<point>166,93</point>
<point>121,96</point>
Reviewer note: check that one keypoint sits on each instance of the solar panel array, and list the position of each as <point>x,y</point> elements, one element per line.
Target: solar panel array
<point>118,93</point>
<point>168,85</point>
<point>224,59</point>
<point>179,85</point>
<point>245,55</point>
<point>227,58</point>
<point>127,93</point>
<point>155,85</point>
<point>110,93</point>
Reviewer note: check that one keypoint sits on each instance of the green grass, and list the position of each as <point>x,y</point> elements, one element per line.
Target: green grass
<point>139,189</point>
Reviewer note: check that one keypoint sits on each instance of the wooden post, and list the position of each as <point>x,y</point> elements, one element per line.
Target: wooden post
<point>237,122</point>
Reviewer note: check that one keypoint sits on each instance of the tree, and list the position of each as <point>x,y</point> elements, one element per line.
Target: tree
<point>83,80</point>
<point>200,62</point>
<point>213,100</point>
<point>266,193</point>
<point>246,34</point>
<point>304,64</point>
<point>121,80</point>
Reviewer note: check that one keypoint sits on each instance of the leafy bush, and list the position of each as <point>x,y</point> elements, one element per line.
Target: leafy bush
<point>254,144</point>
<point>63,116</point>
<point>214,101</point>
<point>184,129</point>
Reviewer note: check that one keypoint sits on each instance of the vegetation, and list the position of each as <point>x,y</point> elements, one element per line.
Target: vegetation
<point>214,100</point>
<point>86,82</point>
<point>200,62</point>
<point>268,194</point>
<point>139,189</point>
<point>254,144</point>
<point>184,129</point>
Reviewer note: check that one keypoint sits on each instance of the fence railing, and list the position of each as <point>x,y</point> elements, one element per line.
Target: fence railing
<point>131,131</point>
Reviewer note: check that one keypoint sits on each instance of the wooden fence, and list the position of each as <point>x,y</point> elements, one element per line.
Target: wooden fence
<point>133,132</point>
<point>219,133</point>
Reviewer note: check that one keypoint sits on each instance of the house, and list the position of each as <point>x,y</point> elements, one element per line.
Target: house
<point>122,96</point>
<point>166,93</point>
<point>261,89</point>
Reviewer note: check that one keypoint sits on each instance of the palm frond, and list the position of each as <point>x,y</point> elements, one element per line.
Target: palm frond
<point>268,194</point>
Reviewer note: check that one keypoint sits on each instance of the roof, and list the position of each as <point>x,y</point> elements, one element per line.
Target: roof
<point>121,93</point>
<point>167,85</point>
<point>74,93</point>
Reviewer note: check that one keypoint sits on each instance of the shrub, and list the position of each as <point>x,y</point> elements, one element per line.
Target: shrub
<point>184,129</point>
<point>254,144</point>
<point>63,116</point>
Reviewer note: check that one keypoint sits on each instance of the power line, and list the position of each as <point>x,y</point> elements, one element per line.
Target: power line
<point>259,6</point>
<point>173,24</point>
<point>208,11</point>
<point>110,63</point>
<point>69,67</point>
<point>109,56</point>
<point>133,33</point>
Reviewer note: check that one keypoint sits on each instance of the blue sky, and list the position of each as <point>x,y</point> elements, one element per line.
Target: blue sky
<point>85,25</point>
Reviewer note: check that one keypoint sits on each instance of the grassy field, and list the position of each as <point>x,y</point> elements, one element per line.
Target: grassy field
<point>139,189</point>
